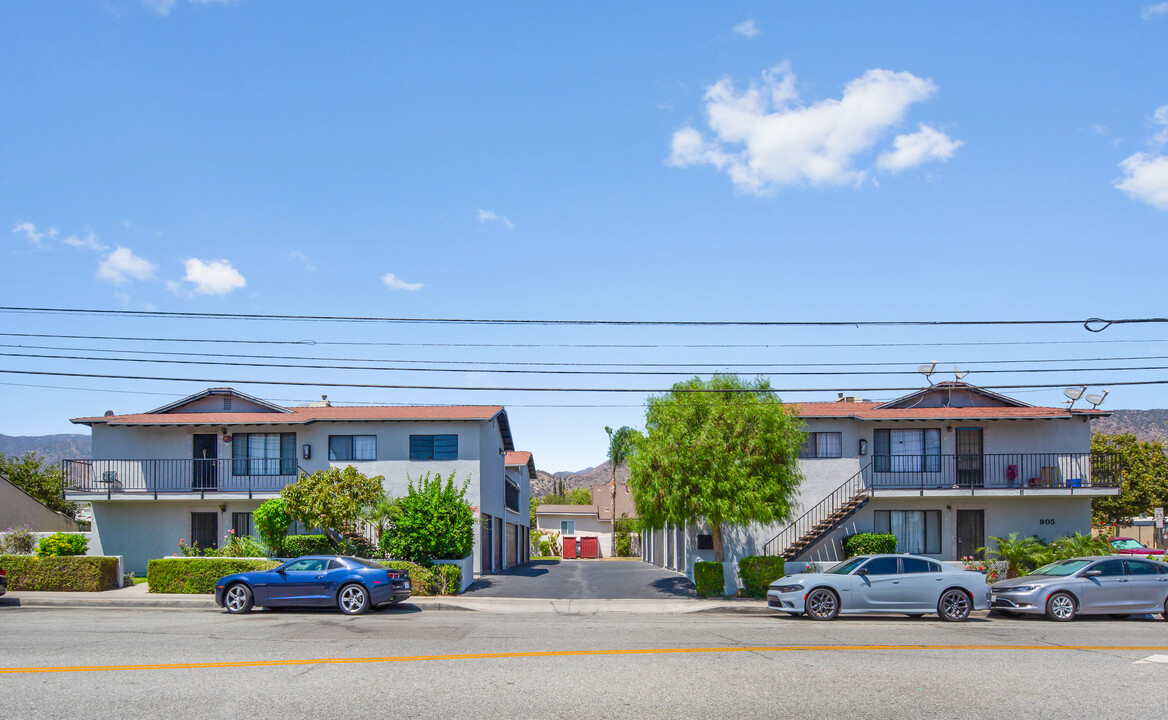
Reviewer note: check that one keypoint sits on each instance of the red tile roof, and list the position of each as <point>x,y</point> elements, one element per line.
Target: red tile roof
<point>517,457</point>
<point>304,415</point>
<point>871,411</point>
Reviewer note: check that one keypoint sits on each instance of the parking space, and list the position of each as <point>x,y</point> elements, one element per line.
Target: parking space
<point>585,580</point>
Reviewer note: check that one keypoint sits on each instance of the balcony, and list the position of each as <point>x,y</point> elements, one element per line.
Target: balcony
<point>1005,471</point>
<point>153,478</point>
<point>512,496</point>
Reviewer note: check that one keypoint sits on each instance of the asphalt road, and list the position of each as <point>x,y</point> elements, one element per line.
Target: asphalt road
<point>584,580</point>
<point>410,664</point>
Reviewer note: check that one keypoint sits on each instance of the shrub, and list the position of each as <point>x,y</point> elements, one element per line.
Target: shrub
<point>60,573</point>
<point>868,544</point>
<point>334,498</point>
<point>297,545</point>
<point>241,546</point>
<point>434,521</point>
<point>197,575</point>
<point>709,579</point>
<point>59,544</point>
<point>18,541</point>
<point>624,544</point>
<point>1022,554</point>
<point>758,572</point>
<point>545,548</point>
<point>272,521</point>
<point>436,580</point>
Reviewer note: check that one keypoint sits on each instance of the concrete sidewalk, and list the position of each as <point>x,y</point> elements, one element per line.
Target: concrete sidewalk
<point>138,597</point>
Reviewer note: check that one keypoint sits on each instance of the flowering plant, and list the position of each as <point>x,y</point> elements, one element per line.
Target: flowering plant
<point>992,570</point>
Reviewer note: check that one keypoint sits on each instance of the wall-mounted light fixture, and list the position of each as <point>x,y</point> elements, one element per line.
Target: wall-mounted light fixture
<point>223,508</point>
<point>306,451</point>
<point>863,446</point>
<point>948,428</point>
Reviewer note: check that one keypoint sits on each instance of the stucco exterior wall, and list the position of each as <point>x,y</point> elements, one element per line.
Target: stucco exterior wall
<point>18,508</point>
<point>586,526</point>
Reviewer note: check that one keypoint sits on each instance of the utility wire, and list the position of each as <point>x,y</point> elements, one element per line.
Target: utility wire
<point>723,365</point>
<point>764,346</point>
<point>1091,324</point>
<point>532,371</point>
<point>549,389</point>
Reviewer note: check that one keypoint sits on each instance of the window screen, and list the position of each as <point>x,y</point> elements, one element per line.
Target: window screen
<point>916,531</point>
<point>352,447</point>
<point>822,445</point>
<point>433,447</point>
<point>907,450</point>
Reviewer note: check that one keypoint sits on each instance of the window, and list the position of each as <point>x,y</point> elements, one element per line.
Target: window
<point>1109,568</point>
<point>1139,567</point>
<point>705,542</point>
<point>307,565</point>
<point>241,523</point>
<point>916,531</point>
<point>205,529</point>
<point>916,565</point>
<point>822,445</point>
<point>907,450</point>
<point>433,447</point>
<point>881,566</point>
<point>352,447</point>
<point>567,527</point>
<point>335,565</point>
<point>264,454</point>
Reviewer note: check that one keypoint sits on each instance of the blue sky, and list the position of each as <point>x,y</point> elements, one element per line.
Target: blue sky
<point>907,161</point>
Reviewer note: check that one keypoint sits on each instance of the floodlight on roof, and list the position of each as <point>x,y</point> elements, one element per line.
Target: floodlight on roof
<point>1096,400</point>
<point>928,370</point>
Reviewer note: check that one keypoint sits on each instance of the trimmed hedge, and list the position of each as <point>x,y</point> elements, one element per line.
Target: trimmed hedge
<point>297,545</point>
<point>868,544</point>
<point>196,575</point>
<point>710,579</point>
<point>758,572</point>
<point>61,544</point>
<point>75,573</point>
<point>434,580</point>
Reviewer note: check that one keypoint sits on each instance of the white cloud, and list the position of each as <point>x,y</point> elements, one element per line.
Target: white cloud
<point>1154,12</point>
<point>299,257</point>
<point>490,216</point>
<point>34,236</point>
<point>763,138</point>
<point>1145,174</point>
<point>212,277</point>
<point>393,282</point>
<point>920,147</point>
<point>163,7</point>
<point>122,265</point>
<point>747,29</point>
<point>1145,178</point>
<point>88,241</point>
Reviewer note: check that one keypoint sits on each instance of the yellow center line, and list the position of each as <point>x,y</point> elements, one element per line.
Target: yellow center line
<point>561,653</point>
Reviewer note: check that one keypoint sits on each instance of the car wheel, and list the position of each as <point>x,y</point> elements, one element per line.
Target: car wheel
<point>822,604</point>
<point>954,606</point>
<point>1061,607</point>
<point>238,598</point>
<point>353,599</point>
<point>1165,613</point>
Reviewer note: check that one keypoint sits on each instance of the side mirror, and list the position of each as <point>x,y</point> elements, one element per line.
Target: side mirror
<point>862,571</point>
<point>279,571</point>
<point>1092,573</point>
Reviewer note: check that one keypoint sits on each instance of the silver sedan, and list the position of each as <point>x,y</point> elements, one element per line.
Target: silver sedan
<point>1105,585</point>
<point>906,584</point>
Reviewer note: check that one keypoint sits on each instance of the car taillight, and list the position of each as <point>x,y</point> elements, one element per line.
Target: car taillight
<point>2,573</point>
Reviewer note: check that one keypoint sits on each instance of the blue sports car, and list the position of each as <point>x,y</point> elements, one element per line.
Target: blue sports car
<point>352,584</point>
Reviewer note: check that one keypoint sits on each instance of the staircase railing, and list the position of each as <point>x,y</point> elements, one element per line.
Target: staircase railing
<point>788,536</point>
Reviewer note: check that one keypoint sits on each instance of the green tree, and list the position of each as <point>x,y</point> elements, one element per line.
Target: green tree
<point>272,521</point>
<point>332,499</point>
<point>621,445</point>
<point>433,521</point>
<point>723,451</point>
<point>575,496</point>
<point>43,481</point>
<point>1143,480</point>
<point>1022,554</point>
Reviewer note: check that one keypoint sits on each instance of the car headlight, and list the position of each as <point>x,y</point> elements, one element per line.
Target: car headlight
<point>787,588</point>
<point>1018,588</point>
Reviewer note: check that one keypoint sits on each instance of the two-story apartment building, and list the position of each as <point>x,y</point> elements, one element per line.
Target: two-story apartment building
<point>197,468</point>
<point>943,469</point>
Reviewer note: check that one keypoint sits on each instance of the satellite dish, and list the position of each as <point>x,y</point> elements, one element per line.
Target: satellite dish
<point>928,370</point>
<point>1074,393</point>
<point>959,373</point>
<point>1097,400</point>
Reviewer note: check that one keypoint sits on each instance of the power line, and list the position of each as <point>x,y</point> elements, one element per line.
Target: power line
<point>1091,324</point>
<point>761,346</point>
<point>548,389</point>
<point>536,371</point>
<point>722,365</point>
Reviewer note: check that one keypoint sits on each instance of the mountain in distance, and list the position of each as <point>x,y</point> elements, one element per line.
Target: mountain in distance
<point>53,448</point>
<point>1144,424</point>
<point>595,479</point>
<point>570,473</point>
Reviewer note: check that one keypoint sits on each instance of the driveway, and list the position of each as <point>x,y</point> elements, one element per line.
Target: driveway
<point>585,580</point>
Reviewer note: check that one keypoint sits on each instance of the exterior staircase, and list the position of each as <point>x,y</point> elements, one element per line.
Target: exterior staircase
<point>821,519</point>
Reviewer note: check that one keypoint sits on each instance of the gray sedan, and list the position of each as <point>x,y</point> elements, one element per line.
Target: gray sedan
<point>907,584</point>
<point>1087,586</point>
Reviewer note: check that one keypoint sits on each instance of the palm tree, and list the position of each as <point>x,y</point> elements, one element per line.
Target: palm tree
<point>621,445</point>
<point>1022,555</point>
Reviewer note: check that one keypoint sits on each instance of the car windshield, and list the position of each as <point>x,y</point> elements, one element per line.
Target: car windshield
<point>848,566</point>
<point>1126,544</point>
<point>1062,568</point>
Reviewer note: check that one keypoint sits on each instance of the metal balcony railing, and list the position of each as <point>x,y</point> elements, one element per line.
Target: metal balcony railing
<point>155,477</point>
<point>1021,471</point>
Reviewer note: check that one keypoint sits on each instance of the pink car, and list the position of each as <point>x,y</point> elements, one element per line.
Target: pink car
<point>1131,546</point>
